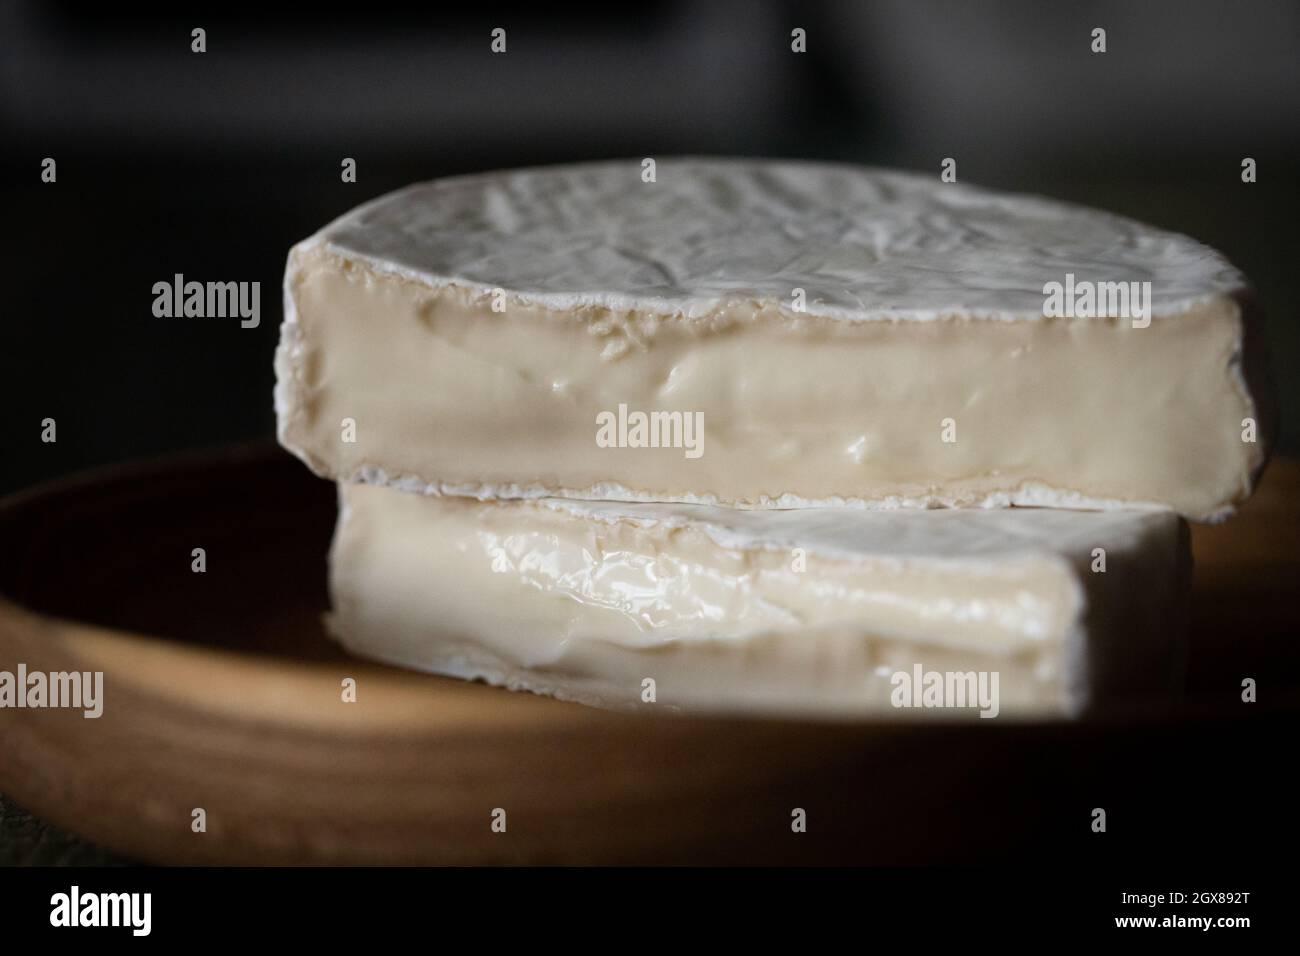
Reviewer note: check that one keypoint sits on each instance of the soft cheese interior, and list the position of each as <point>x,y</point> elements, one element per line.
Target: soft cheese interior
<point>451,396</point>
<point>809,611</point>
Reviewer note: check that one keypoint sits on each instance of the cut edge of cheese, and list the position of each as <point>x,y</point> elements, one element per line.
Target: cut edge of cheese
<point>1247,371</point>
<point>581,605</point>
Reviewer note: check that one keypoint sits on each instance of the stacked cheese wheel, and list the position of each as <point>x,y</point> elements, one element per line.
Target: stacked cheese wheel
<point>767,436</point>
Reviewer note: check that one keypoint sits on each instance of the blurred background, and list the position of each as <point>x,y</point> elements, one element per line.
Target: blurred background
<point>212,165</point>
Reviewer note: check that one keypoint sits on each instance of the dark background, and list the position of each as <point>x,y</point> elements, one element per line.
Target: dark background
<point>212,165</point>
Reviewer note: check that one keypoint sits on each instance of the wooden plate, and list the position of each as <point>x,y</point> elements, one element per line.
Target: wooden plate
<point>223,693</point>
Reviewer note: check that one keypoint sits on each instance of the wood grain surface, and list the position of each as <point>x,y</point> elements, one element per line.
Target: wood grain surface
<point>223,693</point>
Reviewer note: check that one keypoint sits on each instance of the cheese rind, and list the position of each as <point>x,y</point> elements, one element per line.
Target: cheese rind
<point>923,306</point>
<point>864,244</point>
<point>809,611</point>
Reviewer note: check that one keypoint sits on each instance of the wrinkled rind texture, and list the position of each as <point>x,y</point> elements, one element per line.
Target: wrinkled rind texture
<point>861,243</point>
